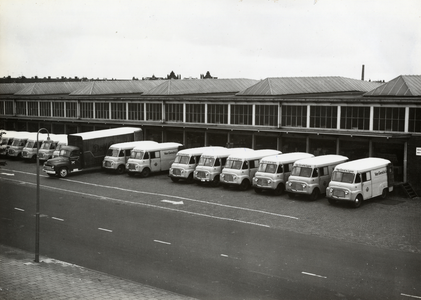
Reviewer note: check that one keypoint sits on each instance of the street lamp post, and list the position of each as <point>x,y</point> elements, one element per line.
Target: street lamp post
<point>37,208</point>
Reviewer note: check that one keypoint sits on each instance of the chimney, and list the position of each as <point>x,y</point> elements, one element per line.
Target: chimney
<point>362,73</point>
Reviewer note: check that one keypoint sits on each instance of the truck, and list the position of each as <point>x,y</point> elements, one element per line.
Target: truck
<point>359,180</point>
<point>50,145</point>
<point>34,142</point>
<point>274,171</point>
<point>147,159</point>
<point>86,150</point>
<point>118,155</point>
<point>311,176</point>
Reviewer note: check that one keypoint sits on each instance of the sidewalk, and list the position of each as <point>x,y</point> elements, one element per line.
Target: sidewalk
<point>22,278</point>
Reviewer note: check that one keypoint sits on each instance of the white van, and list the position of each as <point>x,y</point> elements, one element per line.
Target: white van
<point>34,142</point>
<point>241,167</point>
<point>360,180</point>
<point>60,144</point>
<point>186,161</point>
<point>19,142</point>
<point>311,176</point>
<point>274,171</point>
<point>152,158</point>
<point>6,140</point>
<point>118,154</point>
<point>211,164</point>
<point>49,146</point>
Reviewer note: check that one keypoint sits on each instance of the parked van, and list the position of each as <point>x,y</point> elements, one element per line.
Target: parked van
<point>147,159</point>
<point>241,167</point>
<point>274,171</point>
<point>61,143</point>
<point>311,176</point>
<point>34,142</point>
<point>6,141</point>
<point>19,142</point>
<point>49,146</point>
<point>211,164</point>
<point>186,161</point>
<point>360,180</point>
<point>118,155</point>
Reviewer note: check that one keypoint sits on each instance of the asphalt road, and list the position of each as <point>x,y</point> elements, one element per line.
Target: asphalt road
<point>212,243</point>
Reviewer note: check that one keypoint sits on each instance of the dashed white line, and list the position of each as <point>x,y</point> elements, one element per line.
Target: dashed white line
<point>162,242</point>
<point>224,255</point>
<point>411,296</point>
<point>20,209</point>
<point>315,275</point>
<point>58,219</point>
<point>104,229</point>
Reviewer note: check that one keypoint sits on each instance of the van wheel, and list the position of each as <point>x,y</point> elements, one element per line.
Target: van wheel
<point>174,179</point>
<point>244,185</point>
<point>121,169</point>
<point>63,172</point>
<point>314,194</point>
<point>384,194</point>
<point>279,189</point>
<point>358,201</point>
<point>145,172</point>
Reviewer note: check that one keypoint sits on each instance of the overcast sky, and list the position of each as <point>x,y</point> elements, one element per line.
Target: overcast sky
<point>229,38</point>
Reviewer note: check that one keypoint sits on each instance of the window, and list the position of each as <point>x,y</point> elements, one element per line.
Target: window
<point>21,108</point>
<point>414,120</point>
<point>366,176</point>
<point>87,110</point>
<point>174,112</point>
<point>323,116</point>
<point>118,111</point>
<point>389,119</point>
<point>135,111</point>
<point>153,111</point>
<point>102,110</point>
<point>45,109</point>
<point>32,108</point>
<point>294,115</point>
<point>323,171</point>
<point>71,109</point>
<point>266,115</point>
<point>195,113</point>
<point>353,117</point>
<point>218,113</point>
<point>8,107</point>
<point>241,114</point>
<point>2,107</point>
<point>58,109</point>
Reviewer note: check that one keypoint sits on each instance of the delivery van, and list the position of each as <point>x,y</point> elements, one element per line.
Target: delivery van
<point>34,142</point>
<point>6,141</point>
<point>186,161</point>
<point>241,167</point>
<point>50,145</point>
<point>118,155</point>
<point>211,163</point>
<point>19,142</point>
<point>360,180</point>
<point>311,176</point>
<point>274,171</point>
<point>147,159</point>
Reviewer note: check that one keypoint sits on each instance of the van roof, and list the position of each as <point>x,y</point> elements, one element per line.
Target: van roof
<point>198,150</point>
<point>157,146</point>
<point>363,164</point>
<point>322,160</point>
<point>106,132</point>
<point>131,145</point>
<point>286,157</point>
<point>254,154</point>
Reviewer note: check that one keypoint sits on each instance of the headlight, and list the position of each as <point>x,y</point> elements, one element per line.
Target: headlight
<point>346,192</point>
<point>127,166</point>
<point>304,185</point>
<point>195,173</point>
<point>269,181</point>
<point>234,177</point>
<point>207,174</point>
<point>289,184</point>
<point>222,175</point>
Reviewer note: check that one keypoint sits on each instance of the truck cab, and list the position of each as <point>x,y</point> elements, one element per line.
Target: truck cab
<point>49,146</point>
<point>69,160</point>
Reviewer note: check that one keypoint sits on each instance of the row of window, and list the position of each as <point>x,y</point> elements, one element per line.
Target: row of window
<point>316,116</point>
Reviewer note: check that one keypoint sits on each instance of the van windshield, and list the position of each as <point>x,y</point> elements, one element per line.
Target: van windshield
<point>30,145</point>
<point>137,154</point>
<point>4,141</point>
<point>343,177</point>
<point>301,171</point>
<point>207,161</point>
<point>113,152</point>
<point>182,159</point>
<point>46,145</point>
<point>234,164</point>
<point>267,168</point>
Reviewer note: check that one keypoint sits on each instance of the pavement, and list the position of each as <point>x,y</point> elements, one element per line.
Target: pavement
<point>22,278</point>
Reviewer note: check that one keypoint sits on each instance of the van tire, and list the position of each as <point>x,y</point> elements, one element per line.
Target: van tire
<point>279,189</point>
<point>358,201</point>
<point>314,194</point>
<point>384,194</point>
<point>244,185</point>
<point>145,172</point>
<point>63,172</point>
<point>121,169</point>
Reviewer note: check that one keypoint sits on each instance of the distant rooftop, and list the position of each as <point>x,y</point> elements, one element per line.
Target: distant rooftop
<point>404,85</point>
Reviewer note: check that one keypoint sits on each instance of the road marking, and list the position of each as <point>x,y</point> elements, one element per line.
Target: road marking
<point>103,229</point>
<point>173,202</point>
<point>58,219</point>
<point>8,174</point>
<point>162,242</point>
<point>20,209</point>
<point>315,275</point>
<point>411,296</point>
<point>224,255</point>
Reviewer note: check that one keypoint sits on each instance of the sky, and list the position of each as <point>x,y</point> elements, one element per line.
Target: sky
<point>254,39</point>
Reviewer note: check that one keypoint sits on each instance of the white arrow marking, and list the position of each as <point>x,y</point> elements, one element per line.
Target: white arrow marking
<point>173,202</point>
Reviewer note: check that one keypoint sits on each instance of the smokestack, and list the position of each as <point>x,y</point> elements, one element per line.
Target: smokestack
<point>362,73</point>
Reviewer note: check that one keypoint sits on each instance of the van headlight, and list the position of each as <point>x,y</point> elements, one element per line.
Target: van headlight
<point>222,175</point>
<point>346,192</point>
<point>304,185</point>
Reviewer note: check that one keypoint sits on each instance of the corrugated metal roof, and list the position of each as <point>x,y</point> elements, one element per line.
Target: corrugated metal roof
<point>117,87</point>
<point>307,85</point>
<point>201,86</point>
<point>404,85</point>
<point>11,88</point>
<point>50,88</point>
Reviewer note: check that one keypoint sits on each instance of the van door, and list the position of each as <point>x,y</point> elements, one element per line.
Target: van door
<point>324,179</point>
<point>75,160</point>
<point>155,158</point>
<point>367,187</point>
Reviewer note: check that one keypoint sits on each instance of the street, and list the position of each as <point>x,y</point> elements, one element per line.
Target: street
<point>213,243</point>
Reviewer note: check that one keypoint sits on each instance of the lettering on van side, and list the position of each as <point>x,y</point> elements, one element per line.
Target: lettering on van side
<point>380,173</point>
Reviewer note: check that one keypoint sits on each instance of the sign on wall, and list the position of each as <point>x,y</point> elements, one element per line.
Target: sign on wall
<point>418,151</point>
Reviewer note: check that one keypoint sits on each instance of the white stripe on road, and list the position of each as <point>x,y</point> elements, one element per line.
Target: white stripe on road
<point>315,275</point>
<point>103,229</point>
<point>20,209</point>
<point>58,219</point>
<point>412,296</point>
<point>224,255</point>
<point>8,174</point>
<point>162,242</point>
